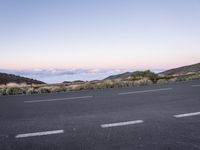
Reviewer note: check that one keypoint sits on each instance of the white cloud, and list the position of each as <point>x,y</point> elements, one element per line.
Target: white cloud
<point>61,75</point>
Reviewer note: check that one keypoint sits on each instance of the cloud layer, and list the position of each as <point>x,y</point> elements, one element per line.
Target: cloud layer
<point>61,75</point>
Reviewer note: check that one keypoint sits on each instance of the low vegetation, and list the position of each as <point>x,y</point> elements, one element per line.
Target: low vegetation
<point>138,78</point>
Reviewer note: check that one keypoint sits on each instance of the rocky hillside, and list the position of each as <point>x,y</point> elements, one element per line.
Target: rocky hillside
<point>8,78</point>
<point>195,68</point>
<point>133,75</point>
<point>121,76</point>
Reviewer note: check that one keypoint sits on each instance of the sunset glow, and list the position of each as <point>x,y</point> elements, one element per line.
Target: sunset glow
<point>99,34</point>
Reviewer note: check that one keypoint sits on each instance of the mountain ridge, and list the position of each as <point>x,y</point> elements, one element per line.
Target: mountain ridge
<point>182,70</point>
<point>11,78</point>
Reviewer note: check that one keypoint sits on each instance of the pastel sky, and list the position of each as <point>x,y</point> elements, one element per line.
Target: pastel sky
<point>139,34</point>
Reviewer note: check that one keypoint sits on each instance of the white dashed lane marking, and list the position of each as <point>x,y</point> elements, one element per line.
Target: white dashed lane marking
<point>121,123</point>
<point>145,91</point>
<point>59,99</point>
<point>187,115</point>
<point>39,134</point>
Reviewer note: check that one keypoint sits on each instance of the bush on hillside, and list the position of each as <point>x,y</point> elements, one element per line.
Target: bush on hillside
<point>172,80</point>
<point>145,74</point>
<point>58,89</point>
<point>193,77</point>
<point>30,91</point>
<point>2,92</point>
<point>15,91</point>
<point>42,90</point>
<point>142,82</point>
<point>162,81</point>
<point>12,85</point>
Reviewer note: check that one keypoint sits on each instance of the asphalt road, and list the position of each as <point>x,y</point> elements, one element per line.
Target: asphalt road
<point>157,117</point>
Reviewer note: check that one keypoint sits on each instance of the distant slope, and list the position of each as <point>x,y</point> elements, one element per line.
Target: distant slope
<point>136,75</point>
<point>121,76</point>
<point>183,70</point>
<point>7,78</point>
<point>195,68</point>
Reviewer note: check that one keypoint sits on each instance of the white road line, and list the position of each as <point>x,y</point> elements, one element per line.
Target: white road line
<point>121,123</point>
<point>39,133</point>
<point>145,91</point>
<point>195,85</point>
<point>187,115</point>
<point>59,99</point>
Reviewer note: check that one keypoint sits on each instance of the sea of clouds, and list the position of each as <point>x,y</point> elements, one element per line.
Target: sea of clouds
<point>61,75</point>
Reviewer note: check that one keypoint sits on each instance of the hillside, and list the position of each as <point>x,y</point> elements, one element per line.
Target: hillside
<point>7,78</point>
<point>133,75</point>
<point>183,70</point>
<point>122,75</point>
<point>190,69</point>
<point>127,79</point>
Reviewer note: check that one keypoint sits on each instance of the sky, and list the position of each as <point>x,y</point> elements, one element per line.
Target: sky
<point>99,34</point>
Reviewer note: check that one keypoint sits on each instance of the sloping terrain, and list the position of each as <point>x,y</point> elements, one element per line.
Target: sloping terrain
<point>195,68</point>
<point>122,75</point>
<point>183,70</point>
<point>8,78</point>
<point>132,75</point>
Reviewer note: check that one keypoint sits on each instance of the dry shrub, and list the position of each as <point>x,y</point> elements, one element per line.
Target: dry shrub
<point>193,77</point>
<point>22,85</point>
<point>172,80</point>
<point>58,89</point>
<point>30,91</point>
<point>12,85</point>
<point>38,85</point>
<point>15,91</point>
<point>88,86</point>
<point>17,85</point>
<point>2,86</point>
<point>2,92</point>
<point>162,81</point>
<point>142,82</point>
<point>76,88</point>
<point>43,90</point>
<point>108,84</point>
<point>72,87</point>
<point>119,84</point>
<point>129,83</point>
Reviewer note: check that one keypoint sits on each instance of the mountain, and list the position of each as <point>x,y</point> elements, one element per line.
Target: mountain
<point>183,70</point>
<point>190,69</point>
<point>7,78</point>
<point>133,75</point>
<point>121,76</point>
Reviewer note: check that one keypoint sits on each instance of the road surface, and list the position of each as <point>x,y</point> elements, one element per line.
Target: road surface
<point>157,117</point>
